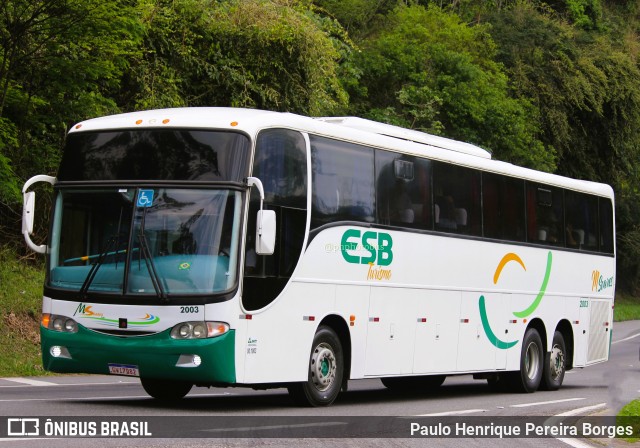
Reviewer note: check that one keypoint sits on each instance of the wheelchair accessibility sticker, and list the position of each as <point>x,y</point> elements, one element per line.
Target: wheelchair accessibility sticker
<point>145,198</point>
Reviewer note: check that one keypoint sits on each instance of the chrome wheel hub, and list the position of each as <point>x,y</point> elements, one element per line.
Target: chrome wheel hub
<point>323,367</point>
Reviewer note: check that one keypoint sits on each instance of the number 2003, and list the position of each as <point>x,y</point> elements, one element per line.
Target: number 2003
<point>189,309</point>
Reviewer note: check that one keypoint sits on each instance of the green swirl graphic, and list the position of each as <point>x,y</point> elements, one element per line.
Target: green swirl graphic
<point>487,328</point>
<point>522,314</point>
<point>543,290</point>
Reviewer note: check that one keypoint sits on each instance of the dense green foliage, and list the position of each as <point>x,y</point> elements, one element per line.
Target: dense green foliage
<point>551,85</point>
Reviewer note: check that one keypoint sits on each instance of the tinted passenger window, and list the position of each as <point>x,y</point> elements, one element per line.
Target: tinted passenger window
<point>281,164</point>
<point>503,207</point>
<point>343,182</point>
<point>404,190</point>
<point>545,215</point>
<point>457,205</point>
<point>606,225</point>
<point>581,221</point>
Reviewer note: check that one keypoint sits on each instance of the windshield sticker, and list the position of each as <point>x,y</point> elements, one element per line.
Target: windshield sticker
<point>184,266</point>
<point>145,198</point>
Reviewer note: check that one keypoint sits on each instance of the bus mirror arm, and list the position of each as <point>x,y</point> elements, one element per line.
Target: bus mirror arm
<point>266,223</point>
<point>28,211</point>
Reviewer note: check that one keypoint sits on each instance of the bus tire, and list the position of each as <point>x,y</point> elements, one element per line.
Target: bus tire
<point>413,384</point>
<point>555,364</point>
<point>165,390</point>
<point>325,372</point>
<point>528,378</point>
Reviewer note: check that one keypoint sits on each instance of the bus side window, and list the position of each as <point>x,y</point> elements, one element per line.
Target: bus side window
<point>503,207</point>
<point>281,164</point>
<point>343,182</point>
<point>545,209</point>
<point>403,190</point>
<point>581,221</point>
<point>606,225</point>
<point>457,194</point>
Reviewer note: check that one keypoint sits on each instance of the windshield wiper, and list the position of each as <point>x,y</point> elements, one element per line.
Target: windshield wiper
<point>113,241</point>
<point>94,268</point>
<point>148,259</point>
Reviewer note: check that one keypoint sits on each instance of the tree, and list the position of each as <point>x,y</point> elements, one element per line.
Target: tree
<point>585,87</point>
<point>60,62</point>
<point>425,69</point>
<point>268,54</point>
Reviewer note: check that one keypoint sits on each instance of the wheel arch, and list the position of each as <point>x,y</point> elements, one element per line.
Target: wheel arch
<point>340,327</point>
<point>566,330</point>
<point>537,324</point>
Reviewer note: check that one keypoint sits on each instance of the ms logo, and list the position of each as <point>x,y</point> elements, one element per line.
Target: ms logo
<point>512,258</point>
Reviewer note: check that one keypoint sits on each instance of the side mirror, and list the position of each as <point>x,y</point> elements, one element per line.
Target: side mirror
<point>29,206</point>
<point>28,212</point>
<point>266,232</point>
<point>266,223</point>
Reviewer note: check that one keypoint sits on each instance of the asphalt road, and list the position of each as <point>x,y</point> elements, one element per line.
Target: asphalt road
<point>230,414</point>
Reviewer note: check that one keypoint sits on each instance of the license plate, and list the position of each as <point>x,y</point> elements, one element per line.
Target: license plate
<point>123,369</point>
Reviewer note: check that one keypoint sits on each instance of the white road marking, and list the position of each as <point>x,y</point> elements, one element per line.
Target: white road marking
<point>30,382</point>
<point>626,339</point>
<point>442,414</point>
<point>578,443</point>
<point>540,403</point>
<point>25,384</point>
<point>583,411</point>
<point>264,428</point>
<point>107,398</point>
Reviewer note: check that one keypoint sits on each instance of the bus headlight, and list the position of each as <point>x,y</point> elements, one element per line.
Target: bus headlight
<point>62,324</point>
<point>199,330</point>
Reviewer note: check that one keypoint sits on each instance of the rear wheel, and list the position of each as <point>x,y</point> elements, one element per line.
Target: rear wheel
<point>531,363</point>
<point>165,390</point>
<point>325,371</point>
<point>555,364</point>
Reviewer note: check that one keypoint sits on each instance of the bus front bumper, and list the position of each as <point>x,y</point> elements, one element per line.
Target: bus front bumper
<point>200,361</point>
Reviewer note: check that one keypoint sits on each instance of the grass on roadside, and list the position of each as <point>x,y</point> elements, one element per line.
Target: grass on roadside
<point>626,308</point>
<point>20,302</point>
<point>631,410</point>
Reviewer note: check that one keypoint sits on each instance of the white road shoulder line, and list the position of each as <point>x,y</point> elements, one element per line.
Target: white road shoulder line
<point>30,382</point>
<point>441,414</point>
<point>541,403</point>
<point>583,411</point>
<point>626,339</point>
<point>578,443</point>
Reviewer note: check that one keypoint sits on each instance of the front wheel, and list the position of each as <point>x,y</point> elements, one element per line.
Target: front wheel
<point>165,390</point>
<point>325,371</point>
<point>555,364</point>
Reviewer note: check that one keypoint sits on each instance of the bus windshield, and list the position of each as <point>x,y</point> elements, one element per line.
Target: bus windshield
<point>164,242</point>
<point>159,154</point>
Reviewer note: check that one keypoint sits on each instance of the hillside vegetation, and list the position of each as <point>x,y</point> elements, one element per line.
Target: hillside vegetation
<point>552,85</point>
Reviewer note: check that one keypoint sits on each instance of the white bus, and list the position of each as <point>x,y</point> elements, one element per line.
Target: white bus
<point>235,247</point>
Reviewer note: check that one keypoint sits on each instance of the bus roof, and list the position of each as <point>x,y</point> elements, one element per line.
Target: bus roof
<point>351,129</point>
<point>408,134</point>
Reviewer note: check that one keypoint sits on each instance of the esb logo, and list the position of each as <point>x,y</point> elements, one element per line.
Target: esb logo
<point>367,248</point>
